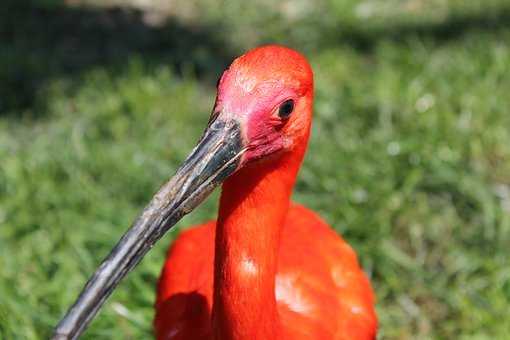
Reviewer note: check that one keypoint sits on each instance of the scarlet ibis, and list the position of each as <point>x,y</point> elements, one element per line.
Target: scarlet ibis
<point>267,268</point>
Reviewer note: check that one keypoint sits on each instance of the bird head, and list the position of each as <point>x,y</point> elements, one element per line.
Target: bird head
<point>262,111</point>
<point>268,92</point>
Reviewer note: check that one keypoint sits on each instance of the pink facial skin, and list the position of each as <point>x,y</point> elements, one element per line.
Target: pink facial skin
<point>254,99</point>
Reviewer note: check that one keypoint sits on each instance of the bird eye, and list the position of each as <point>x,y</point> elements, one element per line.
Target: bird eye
<point>286,109</point>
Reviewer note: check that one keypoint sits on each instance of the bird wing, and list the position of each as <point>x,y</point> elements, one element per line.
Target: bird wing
<point>184,293</point>
<point>320,288</point>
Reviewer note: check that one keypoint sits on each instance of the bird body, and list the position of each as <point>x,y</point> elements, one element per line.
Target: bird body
<point>267,268</point>
<point>322,294</point>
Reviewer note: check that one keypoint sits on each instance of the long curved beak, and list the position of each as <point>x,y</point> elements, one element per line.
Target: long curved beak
<point>216,156</point>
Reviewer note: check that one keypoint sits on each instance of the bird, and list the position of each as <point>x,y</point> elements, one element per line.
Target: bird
<point>266,268</point>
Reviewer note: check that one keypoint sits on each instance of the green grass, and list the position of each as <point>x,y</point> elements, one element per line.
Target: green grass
<point>409,158</point>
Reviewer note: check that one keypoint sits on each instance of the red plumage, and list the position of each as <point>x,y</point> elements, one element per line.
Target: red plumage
<point>268,268</point>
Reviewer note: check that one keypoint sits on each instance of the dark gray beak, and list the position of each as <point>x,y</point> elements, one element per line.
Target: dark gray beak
<point>216,156</point>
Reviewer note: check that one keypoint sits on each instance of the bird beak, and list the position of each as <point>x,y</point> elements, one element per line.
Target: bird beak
<point>216,156</point>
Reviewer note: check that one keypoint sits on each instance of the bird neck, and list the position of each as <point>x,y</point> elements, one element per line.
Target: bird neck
<point>253,207</point>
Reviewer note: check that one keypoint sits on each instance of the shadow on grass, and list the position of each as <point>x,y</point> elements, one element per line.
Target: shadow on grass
<point>43,42</point>
<point>44,39</point>
<point>456,26</point>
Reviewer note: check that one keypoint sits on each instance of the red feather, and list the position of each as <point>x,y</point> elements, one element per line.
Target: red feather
<point>268,269</point>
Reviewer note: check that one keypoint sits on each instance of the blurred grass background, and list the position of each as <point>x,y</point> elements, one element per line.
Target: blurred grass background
<point>409,159</point>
